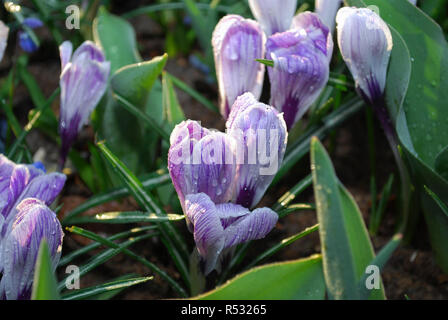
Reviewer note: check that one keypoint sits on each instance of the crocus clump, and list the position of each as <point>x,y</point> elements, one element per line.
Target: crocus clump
<point>219,176</point>
<point>301,69</point>
<point>273,15</point>
<point>83,82</point>
<point>4,30</point>
<point>237,42</point>
<point>25,220</point>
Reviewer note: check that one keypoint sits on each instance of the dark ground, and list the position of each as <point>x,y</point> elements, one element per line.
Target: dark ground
<point>411,270</point>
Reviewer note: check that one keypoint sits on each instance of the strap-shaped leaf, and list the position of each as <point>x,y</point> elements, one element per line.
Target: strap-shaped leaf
<point>346,246</point>
<point>300,279</point>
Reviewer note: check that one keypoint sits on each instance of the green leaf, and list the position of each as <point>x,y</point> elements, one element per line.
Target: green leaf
<point>346,247</point>
<point>117,248</point>
<point>67,258</point>
<point>439,202</point>
<point>127,217</point>
<point>266,62</point>
<point>117,38</point>
<point>193,93</point>
<point>105,288</point>
<point>44,285</point>
<point>293,280</point>
<point>441,164</point>
<point>135,81</point>
<point>149,182</point>
<point>380,261</point>
<point>282,244</point>
<point>172,110</point>
<point>421,122</point>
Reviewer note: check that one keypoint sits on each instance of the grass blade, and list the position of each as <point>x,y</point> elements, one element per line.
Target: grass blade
<point>284,243</point>
<point>104,288</point>
<point>131,254</point>
<point>121,217</point>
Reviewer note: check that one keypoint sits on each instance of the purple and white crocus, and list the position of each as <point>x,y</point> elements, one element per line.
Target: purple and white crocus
<point>365,42</point>
<point>237,42</point>
<point>301,65</point>
<point>219,176</point>
<point>84,76</point>
<point>25,220</point>
<point>273,15</point>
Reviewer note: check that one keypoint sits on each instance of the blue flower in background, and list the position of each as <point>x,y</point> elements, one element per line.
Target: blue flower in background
<point>25,41</point>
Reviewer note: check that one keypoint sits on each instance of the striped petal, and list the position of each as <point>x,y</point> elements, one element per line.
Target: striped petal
<point>365,42</point>
<point>34,222</point>
<point>299,74</point>
<point>327,9</point>
<point>273,16</point>
<point>261,137</point>
<point>83,83</point>
<point>237,42</point>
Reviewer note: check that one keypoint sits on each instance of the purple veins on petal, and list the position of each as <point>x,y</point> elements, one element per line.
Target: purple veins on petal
<point>237,42</point>
<point>273,15</point>
<point>83,82</point>
<point>326,9</point>
<point>300,72</point>
<point>261,137</point>
<point>316,31</point>
<point>201,161</point>
<point>34,222</point>
<point>218,227</point>
<point>365,42</point>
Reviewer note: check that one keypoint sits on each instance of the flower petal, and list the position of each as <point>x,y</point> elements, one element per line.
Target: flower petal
<point>4,30</point>
<point>261,137</point>
<point>299,74</point>
<point>237,42</point>
<point>65,52</point>
<point>207,166</point>
<point>316,31</point>
<point>365,42</point>
<point>326,9</point>
<point>208,231</point>
<point>34,222</point>
<point>273,16</point>
<point>253,226</point>
<point>83,83</point>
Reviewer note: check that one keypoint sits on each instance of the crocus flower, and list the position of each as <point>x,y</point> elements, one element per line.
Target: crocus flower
<point>25,41</point>
<point>83,82</point>
<point>261,136</point>
<point>237,42</point>
<point>219,177</point>
<point>25,193</point>
<point>4,30</point>
<point>326,10</point>
<point>301,66</point>
<point>414,2</point>
<point>365,42</point>
<point>273,15</point>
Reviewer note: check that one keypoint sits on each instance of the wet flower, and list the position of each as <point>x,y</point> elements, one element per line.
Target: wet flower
<point>219,177</point>
<point>365,42</point>
<point>261,137</point>
<point>4,30</point>
<point>25,41</point>
<point>326,10</point>
<point>25,219</point>
<point>273,15</point>
<point>83,82</point>
<point>301,66</point>
<point>217,227</point>
<point>237,42</point>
